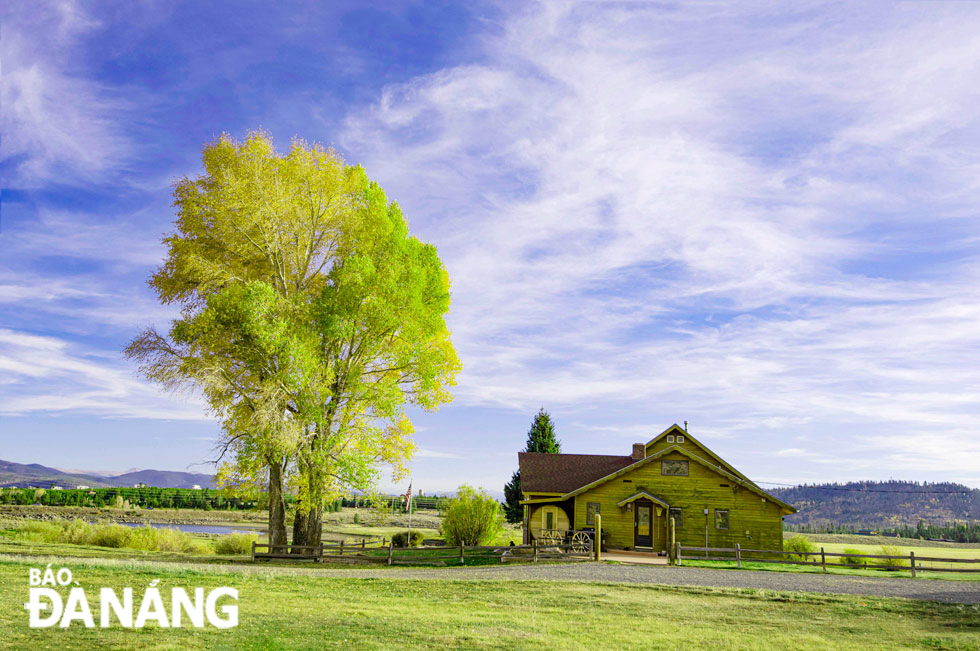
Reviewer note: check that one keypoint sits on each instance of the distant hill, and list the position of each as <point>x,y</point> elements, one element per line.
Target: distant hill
<point>38,476</point>
<point>872,505</point>
<point>163,479</point>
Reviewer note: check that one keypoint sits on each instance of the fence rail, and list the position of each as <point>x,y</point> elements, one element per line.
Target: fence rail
<point>911,562</point>
<point>370,552</point>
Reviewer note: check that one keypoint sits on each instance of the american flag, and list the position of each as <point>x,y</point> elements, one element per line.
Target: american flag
<point>408,496</point>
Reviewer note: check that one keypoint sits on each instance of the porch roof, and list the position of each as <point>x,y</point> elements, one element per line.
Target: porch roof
<point>642,495</point>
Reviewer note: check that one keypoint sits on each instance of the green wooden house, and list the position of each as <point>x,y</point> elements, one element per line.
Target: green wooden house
<point>672,476</point>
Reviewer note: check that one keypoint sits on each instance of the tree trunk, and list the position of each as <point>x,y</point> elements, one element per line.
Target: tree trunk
<point>314,525</point>
<point>300,529</point>
<point>277,503</point>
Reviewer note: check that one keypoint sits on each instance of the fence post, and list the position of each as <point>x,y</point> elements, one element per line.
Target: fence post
<point>598,537</point>
<point>677,554</point>
<point>461,553</point>
<point>320,559</point>
<point>912,562</point>
<point>823,560</point>
<point>391,550</point>
<point>363,540</point>
<point>534,546</point>
<point>253,551</point>
<point>738,556</point>
<point>341,547</point>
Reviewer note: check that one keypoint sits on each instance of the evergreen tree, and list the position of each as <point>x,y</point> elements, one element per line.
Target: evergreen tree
<point>540,438</point>
<point>512,499</point>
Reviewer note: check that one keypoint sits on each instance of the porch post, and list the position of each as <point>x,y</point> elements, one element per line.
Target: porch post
<point>598,536</point>
<point>671,550</point>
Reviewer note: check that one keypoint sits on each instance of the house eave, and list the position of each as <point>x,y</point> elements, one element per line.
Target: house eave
<point>642,495</point>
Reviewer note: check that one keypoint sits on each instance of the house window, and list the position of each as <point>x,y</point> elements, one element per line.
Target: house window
<point>673,467</point>
<point>680,439</point>
<point>721,519</point>
<point>678,516</point>
<point>591,510</point>
<point>670,438</point>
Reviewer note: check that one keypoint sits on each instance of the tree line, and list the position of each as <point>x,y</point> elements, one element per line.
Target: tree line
<point>882,505</point>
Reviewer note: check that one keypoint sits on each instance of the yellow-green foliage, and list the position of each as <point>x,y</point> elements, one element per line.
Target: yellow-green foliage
<point>79,532</point>
<point>891,550</point>
<point>472,518</point>
<point>853,557</point>
<point>402,539</point>
<point>235,543</point>
<point>800,544</point>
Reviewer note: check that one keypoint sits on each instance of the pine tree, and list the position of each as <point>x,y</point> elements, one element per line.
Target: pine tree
<point>512,499</point>
<point>540,438</point>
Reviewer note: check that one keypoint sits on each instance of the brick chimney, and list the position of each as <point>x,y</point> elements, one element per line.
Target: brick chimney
<point>639,451</point>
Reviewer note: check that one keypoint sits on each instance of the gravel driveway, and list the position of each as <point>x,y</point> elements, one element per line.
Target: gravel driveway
<point>964,592</point>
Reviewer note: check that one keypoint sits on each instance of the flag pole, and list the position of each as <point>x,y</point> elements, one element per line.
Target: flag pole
<point>408,543</point>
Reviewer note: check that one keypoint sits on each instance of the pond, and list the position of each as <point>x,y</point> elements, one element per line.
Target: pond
<point>199,528</point>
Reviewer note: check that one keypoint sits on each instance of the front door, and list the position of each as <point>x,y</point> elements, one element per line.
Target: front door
<point>644,524</point>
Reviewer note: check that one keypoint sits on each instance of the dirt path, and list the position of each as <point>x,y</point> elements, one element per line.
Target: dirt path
<point>965,592</point>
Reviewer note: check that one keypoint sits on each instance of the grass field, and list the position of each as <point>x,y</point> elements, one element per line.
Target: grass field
<point>853,539</point>
<point>306,612</point>
<point>867,545</point>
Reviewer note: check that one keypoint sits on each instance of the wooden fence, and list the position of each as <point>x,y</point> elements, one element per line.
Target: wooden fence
<point>373,552</point>
<point>910,562</point>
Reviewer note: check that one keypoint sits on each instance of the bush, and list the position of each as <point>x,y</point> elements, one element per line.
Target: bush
<point>79,532</point>
<point>399,539</point>
<point>108,535</point>
<point>852,558</point>
<point>235,543</point>
<point>891,550</point>
<point>472,518</point>
<point>800,544</point>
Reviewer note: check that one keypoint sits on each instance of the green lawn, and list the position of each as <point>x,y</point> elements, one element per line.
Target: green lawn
<point>816,569</point>
<point>299,612</point>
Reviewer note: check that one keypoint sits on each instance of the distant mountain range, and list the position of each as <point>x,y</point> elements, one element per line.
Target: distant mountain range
<point>37,476</point>
<point>873,504</point>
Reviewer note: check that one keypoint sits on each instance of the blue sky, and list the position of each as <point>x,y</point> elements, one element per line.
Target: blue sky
<point>760,219</point>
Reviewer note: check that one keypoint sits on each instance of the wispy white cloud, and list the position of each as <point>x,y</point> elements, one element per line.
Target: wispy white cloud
<point>57,123</point>
<point>429,453</point>
<point>50,375</point>
<point>758,218</point>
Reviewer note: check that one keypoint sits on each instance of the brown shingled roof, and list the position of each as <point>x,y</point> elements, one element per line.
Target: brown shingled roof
<point>563,473</point>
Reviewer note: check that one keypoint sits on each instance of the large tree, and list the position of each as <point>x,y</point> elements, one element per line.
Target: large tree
<point>309,318</point>
<point>540,438</point>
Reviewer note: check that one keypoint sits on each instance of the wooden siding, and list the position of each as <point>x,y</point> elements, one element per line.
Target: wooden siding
<point>753,520</point>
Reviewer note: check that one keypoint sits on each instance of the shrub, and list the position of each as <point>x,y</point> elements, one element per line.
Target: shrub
<point>800,544</point>
<point>890,550</point>
<point>400,538</point>
<point>235,543</point>
<point>79,532</point>
<point>852,558</point>
<point>38,531</point>
<point>108,535</point>
<point>357,518</point>
<point>472,518</point>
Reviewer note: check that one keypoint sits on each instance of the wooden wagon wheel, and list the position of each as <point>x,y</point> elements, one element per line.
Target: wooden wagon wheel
<point>581,542</point>
<point>551,537</point>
